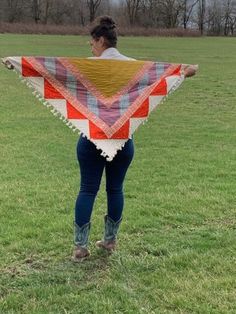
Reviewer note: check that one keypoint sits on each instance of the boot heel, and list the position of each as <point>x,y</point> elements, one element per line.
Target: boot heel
<point>81,235</point>
<point>110,234</point>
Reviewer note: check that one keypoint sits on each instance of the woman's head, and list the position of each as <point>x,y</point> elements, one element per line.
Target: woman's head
<point>103,34</point>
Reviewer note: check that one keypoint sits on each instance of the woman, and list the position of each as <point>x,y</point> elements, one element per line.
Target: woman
<point>92,164</point>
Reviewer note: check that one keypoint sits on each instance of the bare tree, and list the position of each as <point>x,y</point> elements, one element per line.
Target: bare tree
<point>170,9</point>
<point>93,6</point>
<point>14,10</point>
<point>229,16</point>
<point>36,10</point>
<point>82,12</point>
<point>201,15</point>
<point>61,14</point>
<point>47,6</point>
<point>149,12</point>
<point>78,11</point>
<point>133,7</point>
<point>216,17</point>
<point>187,8</point>
<point>233,25</point>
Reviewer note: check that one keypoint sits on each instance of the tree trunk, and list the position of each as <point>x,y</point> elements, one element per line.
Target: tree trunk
<point>93,6</point>
<point>202,11</point>
<point>36,11</point>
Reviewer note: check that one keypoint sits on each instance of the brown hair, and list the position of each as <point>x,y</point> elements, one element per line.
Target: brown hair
<point>104,26</point>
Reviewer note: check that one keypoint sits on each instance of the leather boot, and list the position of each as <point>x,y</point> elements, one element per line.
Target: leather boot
<point>81,236</point>
<point>111,229</point>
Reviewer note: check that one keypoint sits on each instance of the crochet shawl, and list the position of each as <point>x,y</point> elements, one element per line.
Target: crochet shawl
<point>105,100</point>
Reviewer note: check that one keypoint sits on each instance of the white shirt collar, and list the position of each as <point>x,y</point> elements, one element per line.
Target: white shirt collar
<point>112,53</point>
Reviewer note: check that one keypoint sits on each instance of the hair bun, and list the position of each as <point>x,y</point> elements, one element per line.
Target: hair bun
<point>107,21</point>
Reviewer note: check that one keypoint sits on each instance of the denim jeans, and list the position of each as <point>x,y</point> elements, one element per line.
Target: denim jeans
<point>92,165</point>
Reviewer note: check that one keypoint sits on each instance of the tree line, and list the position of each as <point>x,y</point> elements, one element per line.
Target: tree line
<point>215,17</point>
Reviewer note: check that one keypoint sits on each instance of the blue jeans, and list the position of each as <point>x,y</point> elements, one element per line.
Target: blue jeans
<point>92,165</point>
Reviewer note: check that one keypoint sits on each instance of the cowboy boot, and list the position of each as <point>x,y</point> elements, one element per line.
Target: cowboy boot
<point>110,234</point>
<point>81,241</point>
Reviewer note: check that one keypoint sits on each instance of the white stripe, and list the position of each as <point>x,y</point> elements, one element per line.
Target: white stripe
<point>59,105</point>
<point>82,125</point>
<point>154,102</point>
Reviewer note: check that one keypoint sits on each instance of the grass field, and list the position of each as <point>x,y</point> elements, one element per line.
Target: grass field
<point>177,242</point>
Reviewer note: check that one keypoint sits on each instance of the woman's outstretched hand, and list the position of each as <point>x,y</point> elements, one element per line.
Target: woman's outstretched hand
<point>189,70</point>
<point>7,64</point>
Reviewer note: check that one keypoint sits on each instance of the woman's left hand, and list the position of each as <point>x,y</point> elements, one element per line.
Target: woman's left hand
<point>190,70</point>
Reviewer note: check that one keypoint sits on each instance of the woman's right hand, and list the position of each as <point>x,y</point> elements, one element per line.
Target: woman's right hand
<point>7,64</point>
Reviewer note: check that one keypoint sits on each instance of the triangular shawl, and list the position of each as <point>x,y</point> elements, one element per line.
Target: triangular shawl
<point>105,100</point>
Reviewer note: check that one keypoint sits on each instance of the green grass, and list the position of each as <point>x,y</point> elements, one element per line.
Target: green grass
<point>177,240</point>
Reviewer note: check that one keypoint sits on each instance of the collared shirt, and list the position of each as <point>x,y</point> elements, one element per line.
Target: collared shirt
<point>112,53</point>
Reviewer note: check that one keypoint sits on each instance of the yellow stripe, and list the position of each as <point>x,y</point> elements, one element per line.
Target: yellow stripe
<point>108,76</point>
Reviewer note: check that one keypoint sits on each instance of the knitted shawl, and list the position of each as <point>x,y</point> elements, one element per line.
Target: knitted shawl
<point>105,100</point>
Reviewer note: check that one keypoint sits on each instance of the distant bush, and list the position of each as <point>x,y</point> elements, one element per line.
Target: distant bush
<point>166,32</point>
<point>20,28</point>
